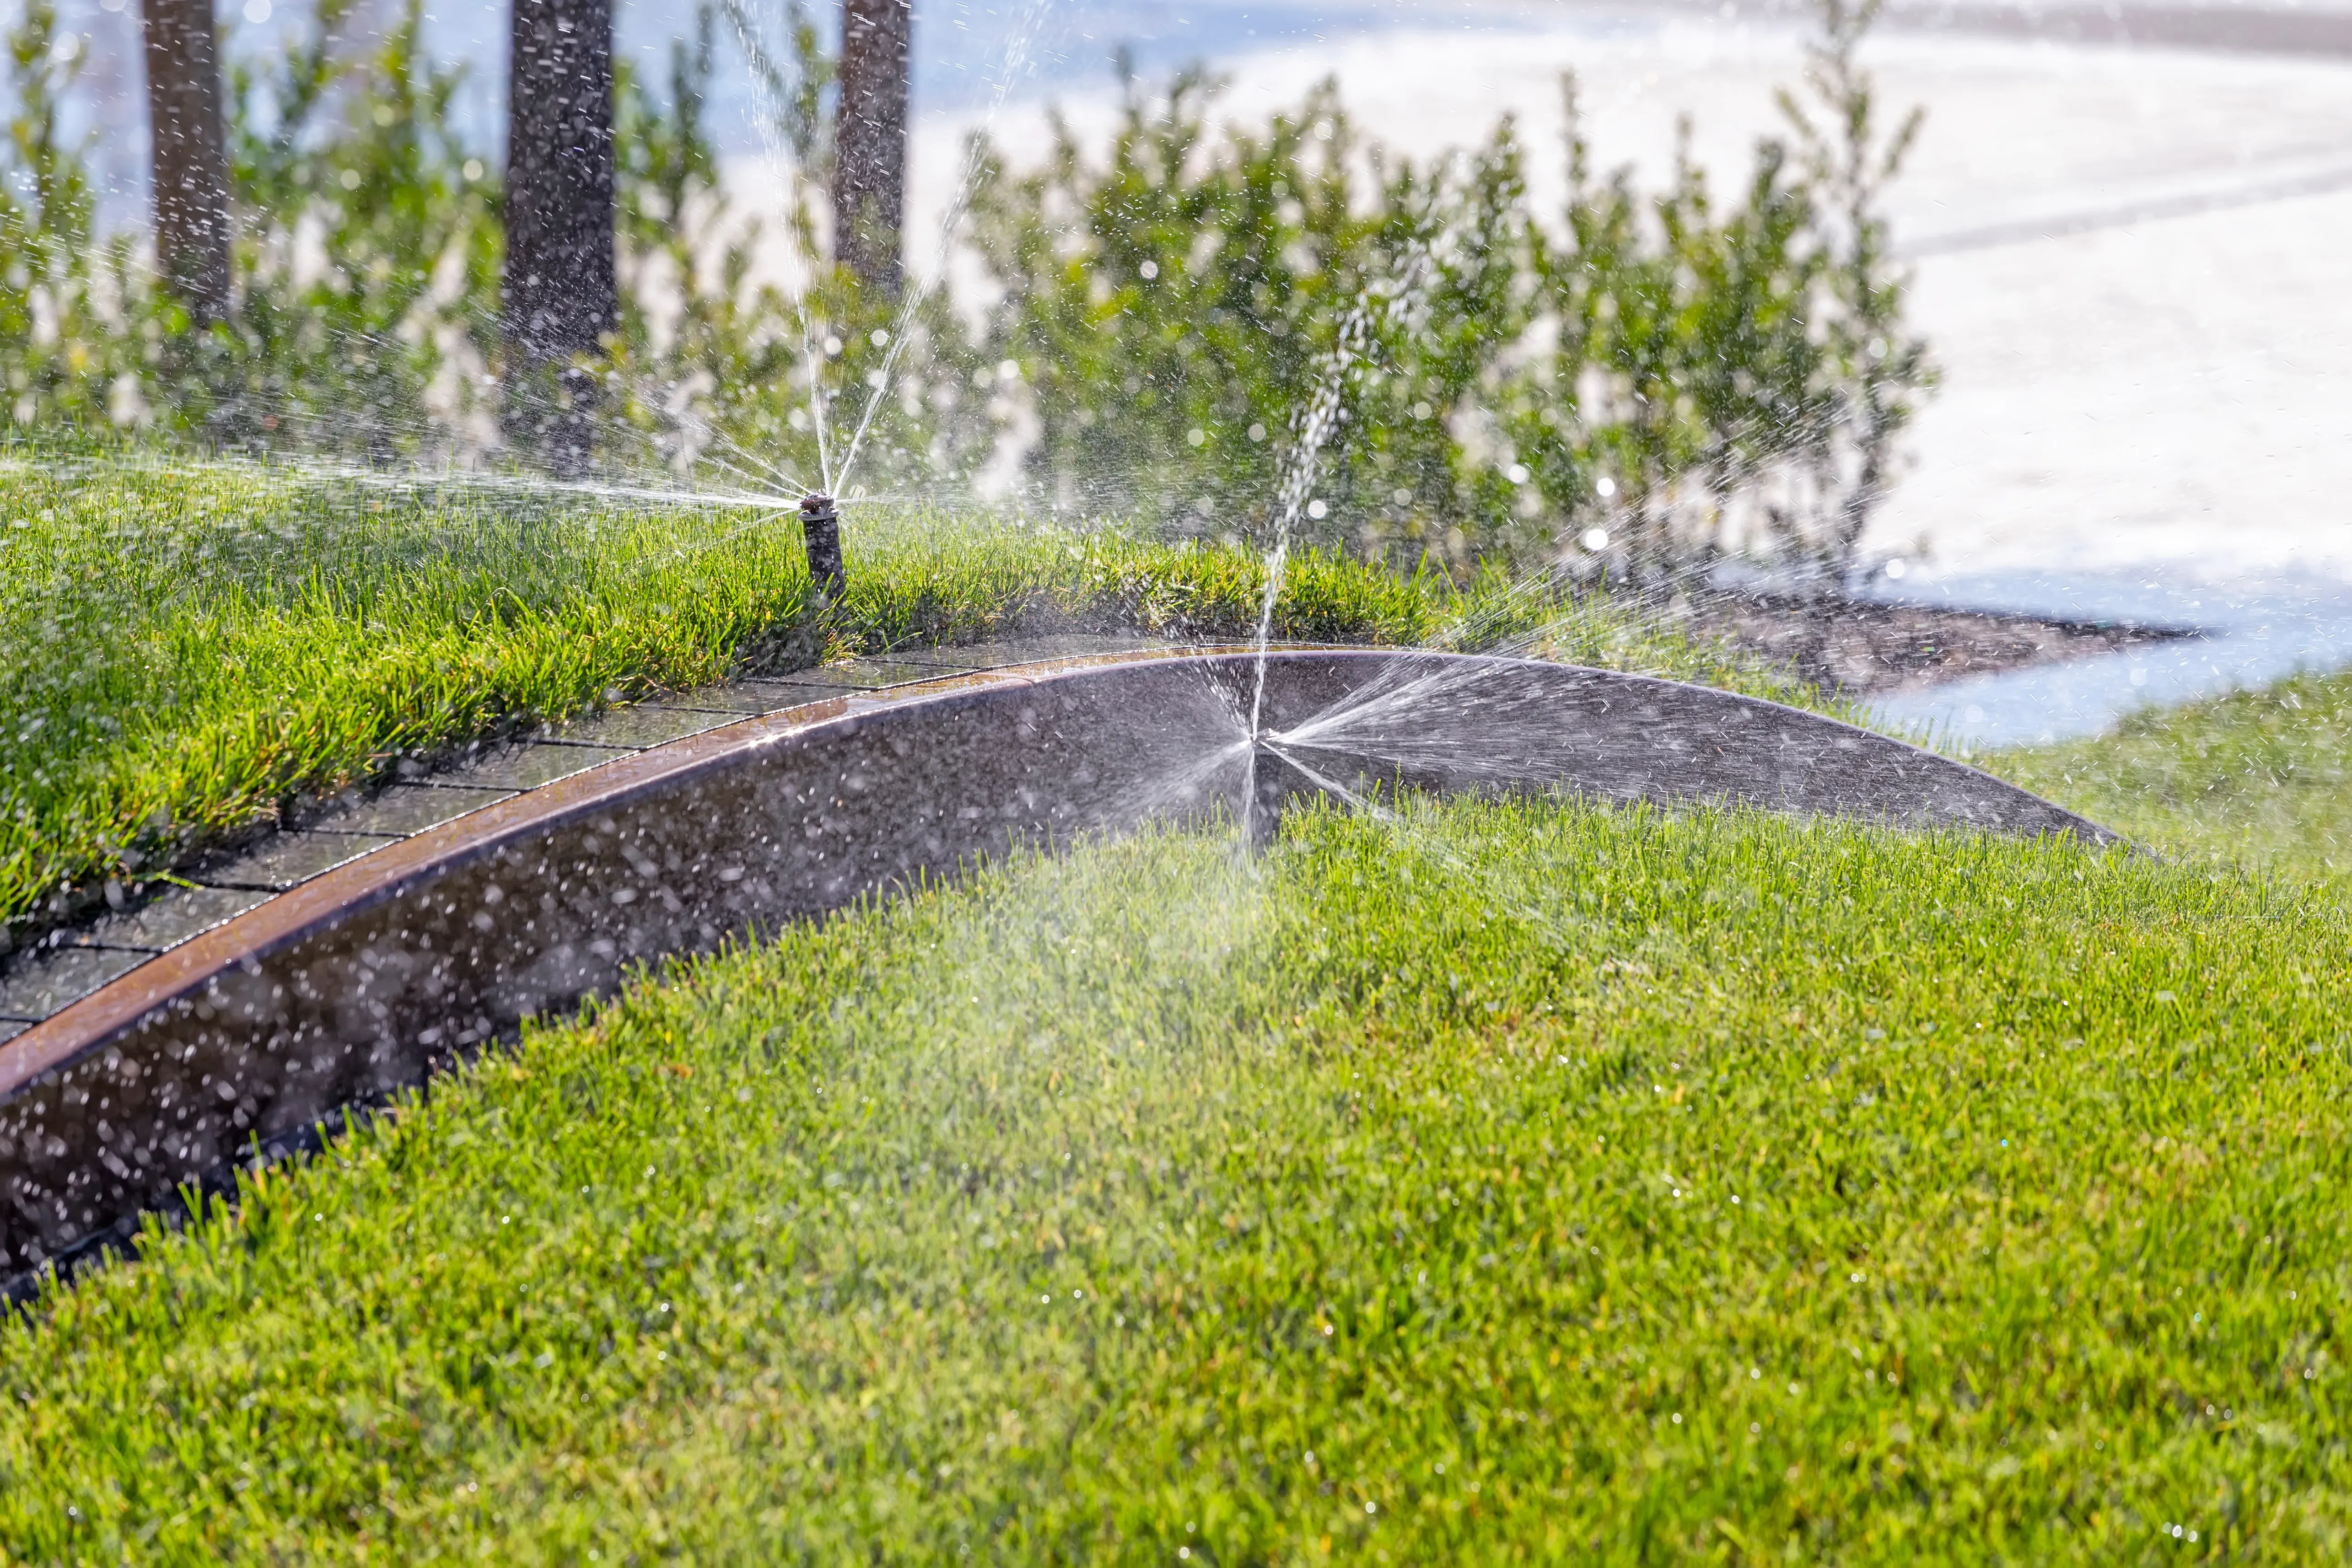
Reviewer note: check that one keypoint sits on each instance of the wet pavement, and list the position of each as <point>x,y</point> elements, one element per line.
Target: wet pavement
<point>2246,634</point>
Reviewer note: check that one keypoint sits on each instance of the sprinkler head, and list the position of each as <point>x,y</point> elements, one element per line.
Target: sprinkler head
<point>1270,784</point>
<point>821,532</point>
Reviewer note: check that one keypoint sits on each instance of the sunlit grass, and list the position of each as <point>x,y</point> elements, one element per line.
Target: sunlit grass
<point>2260,779</point>
<point>1521,1182</point>
<point>191,646</point>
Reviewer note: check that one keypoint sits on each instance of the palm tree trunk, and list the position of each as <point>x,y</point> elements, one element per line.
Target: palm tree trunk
<point>562,293</point>
<point>191,155</point>
<point>869,144</point>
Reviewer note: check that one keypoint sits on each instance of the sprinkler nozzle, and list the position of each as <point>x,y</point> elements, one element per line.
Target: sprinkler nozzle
<point>821,531</point>
<point>1270,784</point>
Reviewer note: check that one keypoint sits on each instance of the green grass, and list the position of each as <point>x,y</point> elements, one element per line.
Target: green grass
<point>2260,779</point>
<point>190,647</point>
<point>1571,1184</point>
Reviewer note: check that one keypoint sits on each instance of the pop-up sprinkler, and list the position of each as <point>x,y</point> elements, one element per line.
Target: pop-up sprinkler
<point>821,530</point>
<point>1270,783</point>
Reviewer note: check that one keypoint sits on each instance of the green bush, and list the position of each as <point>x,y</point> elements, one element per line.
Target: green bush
<point>720,374</point>
<point>82,344</point>
<point>1643,366</point>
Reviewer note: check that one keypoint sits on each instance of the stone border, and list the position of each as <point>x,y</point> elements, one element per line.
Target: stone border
<point>362,980</point>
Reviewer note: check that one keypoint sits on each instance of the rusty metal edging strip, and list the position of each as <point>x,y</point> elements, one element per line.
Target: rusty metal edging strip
<point>105,1015</point>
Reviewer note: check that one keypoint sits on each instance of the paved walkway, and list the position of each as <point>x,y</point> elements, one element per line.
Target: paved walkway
<point>2248,632</point>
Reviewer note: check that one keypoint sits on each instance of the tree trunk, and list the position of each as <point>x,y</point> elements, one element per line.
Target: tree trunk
<point>563,295</point>
<point>191,167</point>
<point>870,142</point>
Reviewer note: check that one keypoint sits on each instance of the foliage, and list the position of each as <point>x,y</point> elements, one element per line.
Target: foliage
<point>1660,375</point>
<point>1521,1181</point>
<point>1686,369</point>
<point>1881,366</point>
<point>1174,312</point>
<point>366,272</point>
<point>77,336</point>
<point>361,353</point>
<point>381,349</point>
<point>191,648</point>
<point>719,370</point>
<point>1167,312</point>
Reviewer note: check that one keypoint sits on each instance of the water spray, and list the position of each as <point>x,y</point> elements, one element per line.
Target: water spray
<point>1377,305</point>
<point>821,531</point>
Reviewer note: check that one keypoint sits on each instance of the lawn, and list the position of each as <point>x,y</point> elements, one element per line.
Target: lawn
<point>1497,1182</point>
<point>1505,1182</point>
<point>191,647</point>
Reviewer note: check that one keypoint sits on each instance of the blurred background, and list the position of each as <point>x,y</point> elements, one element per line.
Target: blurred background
<point>2113,243</point>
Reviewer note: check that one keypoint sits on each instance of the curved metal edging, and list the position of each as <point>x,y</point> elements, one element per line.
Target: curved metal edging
<point>364,979</point>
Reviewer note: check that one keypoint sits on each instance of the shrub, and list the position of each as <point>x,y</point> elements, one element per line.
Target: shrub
<point>1664,376</point>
